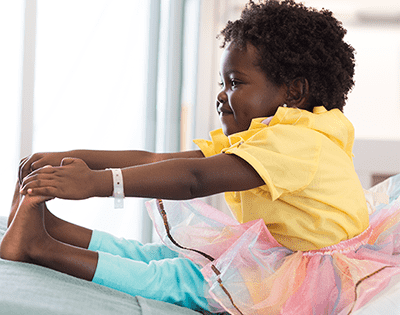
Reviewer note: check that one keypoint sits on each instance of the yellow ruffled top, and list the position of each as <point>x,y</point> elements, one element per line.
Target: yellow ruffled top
<point>312,197</point>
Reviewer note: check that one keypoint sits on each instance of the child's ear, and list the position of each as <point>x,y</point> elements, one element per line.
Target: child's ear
<point>298,93</point>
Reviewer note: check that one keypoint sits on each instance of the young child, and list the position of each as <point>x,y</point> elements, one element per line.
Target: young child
<point>301,243</point>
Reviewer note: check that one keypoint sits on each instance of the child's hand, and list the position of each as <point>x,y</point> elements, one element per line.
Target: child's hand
<point>37,161</point>
<point>72,180</point>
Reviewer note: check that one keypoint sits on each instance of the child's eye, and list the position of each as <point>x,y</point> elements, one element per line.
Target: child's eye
<point>234,83</point>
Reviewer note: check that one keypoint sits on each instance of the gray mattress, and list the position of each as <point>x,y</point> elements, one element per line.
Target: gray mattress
<point>30,289</point>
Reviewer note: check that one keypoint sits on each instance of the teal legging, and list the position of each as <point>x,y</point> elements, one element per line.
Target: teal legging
<point>152,271</point>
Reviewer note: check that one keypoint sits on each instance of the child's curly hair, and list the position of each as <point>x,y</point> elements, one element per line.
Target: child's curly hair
<point>295,41</point>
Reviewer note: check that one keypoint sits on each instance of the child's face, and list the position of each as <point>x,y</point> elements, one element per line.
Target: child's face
<point>246,92</point>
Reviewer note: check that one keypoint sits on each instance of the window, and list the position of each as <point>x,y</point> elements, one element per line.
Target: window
<point>11,35</point>
<point>90,85</point>
<point>91,91</point>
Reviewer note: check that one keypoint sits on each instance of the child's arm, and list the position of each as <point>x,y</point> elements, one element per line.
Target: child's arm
<point>98,160</point>
<point>181,178</point>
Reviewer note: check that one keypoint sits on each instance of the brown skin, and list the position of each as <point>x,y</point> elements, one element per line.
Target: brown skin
<point>57,228</point>
<point>99,160</point>
<point>246,94</point>
<point>27,240</point>
<point>176,179</point>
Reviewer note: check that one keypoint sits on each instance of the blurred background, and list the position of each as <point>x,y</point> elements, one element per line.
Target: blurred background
<point>134,74</point>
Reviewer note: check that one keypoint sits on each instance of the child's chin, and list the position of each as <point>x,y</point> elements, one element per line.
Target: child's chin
<point>228,128</point>
<point>227,132</point>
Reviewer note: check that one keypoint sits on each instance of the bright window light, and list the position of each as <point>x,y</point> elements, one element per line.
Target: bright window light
<point>11,37</point>
<point>90,84</point>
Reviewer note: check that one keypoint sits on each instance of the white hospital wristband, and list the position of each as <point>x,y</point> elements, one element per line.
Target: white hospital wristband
<point>118,193</point>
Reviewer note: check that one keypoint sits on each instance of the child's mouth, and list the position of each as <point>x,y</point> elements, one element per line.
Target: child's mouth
<point>223,111</point>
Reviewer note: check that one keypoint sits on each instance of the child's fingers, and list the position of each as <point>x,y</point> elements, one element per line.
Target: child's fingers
<point>40,184</point>
<point>21,169</point>
<point>26,165</point>
<point>38,178</point>
<point>46,192</point>
<point>37,182</point>
<point>41,171</point>
<point>29,164</point>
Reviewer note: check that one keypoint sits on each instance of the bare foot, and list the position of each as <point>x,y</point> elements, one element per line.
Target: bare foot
<point>26,235</point>
<point>55,227</point>
<point>14,207</point>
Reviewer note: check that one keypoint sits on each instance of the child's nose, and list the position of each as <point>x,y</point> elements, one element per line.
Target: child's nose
<point>221,97</point>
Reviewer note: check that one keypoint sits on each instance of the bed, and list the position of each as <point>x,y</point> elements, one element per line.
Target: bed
<point>35,290</point>
<point>30,289</point>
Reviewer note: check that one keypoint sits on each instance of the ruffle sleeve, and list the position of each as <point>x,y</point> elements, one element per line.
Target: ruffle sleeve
<point>281,154</point>
<point>218,142</point>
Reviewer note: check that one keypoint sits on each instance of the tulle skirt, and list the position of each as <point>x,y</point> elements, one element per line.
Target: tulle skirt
<point>249,272</point>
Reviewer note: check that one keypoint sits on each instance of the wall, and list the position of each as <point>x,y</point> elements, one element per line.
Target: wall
<point>373,105</point>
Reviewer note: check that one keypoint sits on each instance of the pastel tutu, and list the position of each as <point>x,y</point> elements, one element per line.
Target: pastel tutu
<point>249,272</point>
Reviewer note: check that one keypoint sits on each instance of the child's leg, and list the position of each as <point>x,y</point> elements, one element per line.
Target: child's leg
<point>27,240</point>
<point>59,229</point>
<point>76,235</point>
<point>104,242</point>
<point>176,280</point>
